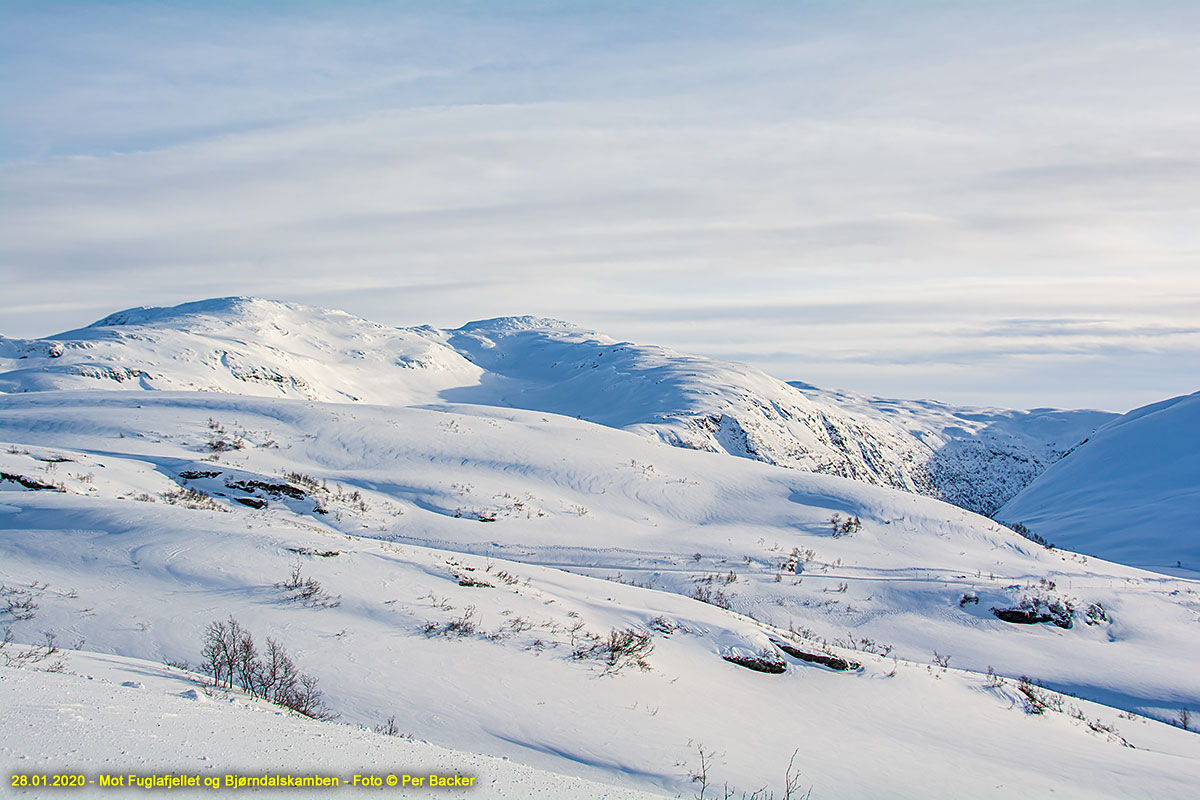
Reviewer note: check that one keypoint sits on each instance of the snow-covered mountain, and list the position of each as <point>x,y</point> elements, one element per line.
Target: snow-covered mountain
<point>974,458</point>
<point>485,538</point>
<point>1130,493</point>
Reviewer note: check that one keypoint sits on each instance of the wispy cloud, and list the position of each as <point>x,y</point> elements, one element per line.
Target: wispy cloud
<point>867,187</point>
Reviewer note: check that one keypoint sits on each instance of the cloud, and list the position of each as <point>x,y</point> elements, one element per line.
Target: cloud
<point>857,184</point>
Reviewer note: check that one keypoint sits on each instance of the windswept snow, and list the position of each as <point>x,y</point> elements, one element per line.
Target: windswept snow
<point>1131,493</point>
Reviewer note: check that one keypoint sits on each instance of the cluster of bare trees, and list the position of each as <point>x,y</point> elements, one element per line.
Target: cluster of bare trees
<point>231,659</point>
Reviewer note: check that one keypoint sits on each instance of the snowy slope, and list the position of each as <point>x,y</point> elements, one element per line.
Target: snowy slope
<point>975,458</point>
<point>118,706</point>
<point>1131,493</point>
<point>239,345</point>
<point>404,514</point>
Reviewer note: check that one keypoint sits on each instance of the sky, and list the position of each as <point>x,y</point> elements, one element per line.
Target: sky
<point>990,203</point>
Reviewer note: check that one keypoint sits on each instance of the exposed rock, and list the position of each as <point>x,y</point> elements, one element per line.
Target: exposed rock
<point>193,474</point>
<point>28,483</point>
<point>293,492</point>
<point>763,661</point>
<point>1034,610</point>
<point>253,502</point>
<point>825,659</point>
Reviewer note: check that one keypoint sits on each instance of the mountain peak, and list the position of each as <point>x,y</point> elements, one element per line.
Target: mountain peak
<point>155,315</point>
<point>518,323</point>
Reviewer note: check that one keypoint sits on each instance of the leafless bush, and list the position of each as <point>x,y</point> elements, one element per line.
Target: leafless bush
<point>702,775</point>
<point>307,591</point>
<point>620,649</point>
<point>464,625</point>
<point>388,728</point>
<point>32,655</point>
<point>844,527</point>
<point>714,597</point>
<point>230,658</point>
<point>191,498</point>
<point>1021,530</point>
<point>18,603</point>
<point>507,577</point>
<point>220,441</point>
<point>458,627</point>
<point>1037,698</point>
<point>307,481</point>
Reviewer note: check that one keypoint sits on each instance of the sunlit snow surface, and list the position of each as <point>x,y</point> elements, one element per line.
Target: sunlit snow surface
<point>401,499</point>
<point>974,458</point>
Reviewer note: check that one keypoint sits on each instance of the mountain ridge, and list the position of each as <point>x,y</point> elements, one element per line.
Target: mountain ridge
<point>975,458</point>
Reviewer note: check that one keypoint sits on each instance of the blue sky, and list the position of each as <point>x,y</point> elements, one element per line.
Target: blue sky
<point>989,203</point>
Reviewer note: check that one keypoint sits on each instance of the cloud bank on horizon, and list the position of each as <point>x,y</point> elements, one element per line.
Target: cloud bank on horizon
<point>979,204</point>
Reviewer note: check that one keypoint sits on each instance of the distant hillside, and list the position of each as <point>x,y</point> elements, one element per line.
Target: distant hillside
<point>1131,493</point>
<point>974,458</point>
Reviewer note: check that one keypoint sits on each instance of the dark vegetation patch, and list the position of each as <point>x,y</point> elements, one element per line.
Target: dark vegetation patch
<point>308,551</point>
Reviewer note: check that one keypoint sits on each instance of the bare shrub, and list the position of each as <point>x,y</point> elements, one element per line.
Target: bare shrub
<point>388,728</point>
<point>17,603</point>
<point>702,774</point>
<point>230,657</point>
<point>191,498</point>
<point>307,481</point>
<point>507,577</point>
<point>1037,698</point>
<point>715,597</point>
<point>464,625</point>
<point>306,591</point>
<point>32,655</point>
<point>220,441</point>
<point>1021,530</point>
<point>458,627</point>
<point>620,649</point>
<point>844,527</point>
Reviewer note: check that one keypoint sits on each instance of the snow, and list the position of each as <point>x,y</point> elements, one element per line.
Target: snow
<point>1131,493</point>
<point>85,721</point>
<point>420,504</point>
<point>975,458</point>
